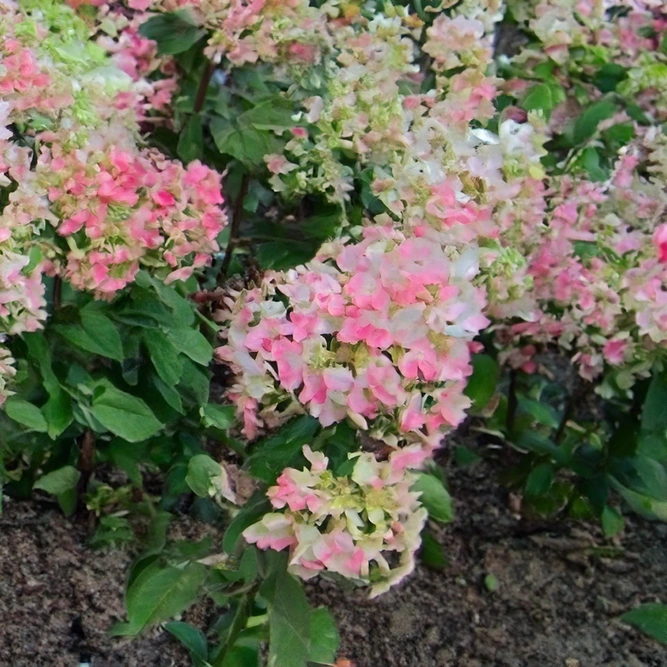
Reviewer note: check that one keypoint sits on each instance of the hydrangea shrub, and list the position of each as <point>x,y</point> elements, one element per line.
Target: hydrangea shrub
<point>419,198</point>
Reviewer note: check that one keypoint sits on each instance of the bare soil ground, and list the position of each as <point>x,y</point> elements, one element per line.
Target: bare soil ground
<point>557,601</point>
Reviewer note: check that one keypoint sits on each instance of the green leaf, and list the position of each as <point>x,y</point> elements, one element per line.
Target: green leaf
<point>649,618</point>
<point>539,98</point>
<point>164,356</point>
<point>174,32</point>
<point>127,457</point>
<point>58,413</point>
<point>248,145</point>
<point>242,656</point>
<point>193,344</point>
<point>102,329</point>
<point>587,123</point>
<point>540,412</point>
<point>432,554</point>
<point>609,76</point>
<point>59,481</point>
<point>539,480</point>
<point>544,97</point>
<point>274,114</point>
<point>272,455</point>
<point>26,413</point>
<point>590,163</point>
<point>324,638</point>
<point>195,383</point>
<point>124,415</point>
<point>491,583</point>
<point>191,140</point>
<point>289,620</point>
<point>201,469</point>
<point>40,353</point>
<point>218,416</point>
<point>653,432</point>
<point>612,522</point>
<point>68,501</point>
<point>90,342</point>
<point>250,513</point>
<point>644,505</point>
<point>434,497</point>
<point>482,383</point>
<point>192,638</point>
<point>159,593</point>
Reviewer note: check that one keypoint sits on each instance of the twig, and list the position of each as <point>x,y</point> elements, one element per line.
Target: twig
<point>512,403</point>
<point>86,463</point>
<point>235,226</point>
<point>203,87</point>
<point>57,292</point>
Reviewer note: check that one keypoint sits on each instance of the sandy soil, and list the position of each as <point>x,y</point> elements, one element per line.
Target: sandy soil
<point>556,604</point>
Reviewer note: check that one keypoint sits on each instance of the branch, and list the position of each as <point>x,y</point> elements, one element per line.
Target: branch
<point>512,403</point>
<point>203,87</point>
<point>57,292</point>
<point>235,226</point>
<point>86,463</point>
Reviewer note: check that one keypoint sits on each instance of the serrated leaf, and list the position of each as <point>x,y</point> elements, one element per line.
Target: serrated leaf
<point>59,481</point>
<point>192,638</point>
<point>26,413</point>
<point>324,637</point>
<point>58,413</point>
<point>174,32</point>
<point>195,382</point>
<point>646,506</point>
<point>434,497</point>
<point>649,618</point>
<point>158,593</point>
<point>274,114</point>
<point>193,344</point>
<point>289,620</point>
<point>248,145</point>
<point>40,353</point>
<point>102,329</point>
<point>123,414</point>
<point>587,123</point>
<point>218,416</point>
<point>170,394</point>
<point>201,470</point>
<point>165,357</point>
<point>77,335</point>
<point>540,412</point>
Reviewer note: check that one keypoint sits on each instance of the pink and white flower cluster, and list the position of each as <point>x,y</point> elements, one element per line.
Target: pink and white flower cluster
<point>379,328</point>
<point>596,254</point>
<point>80,198</point>
<point>378,331</point>
<point>155,76</point>
<point>365,527</point>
